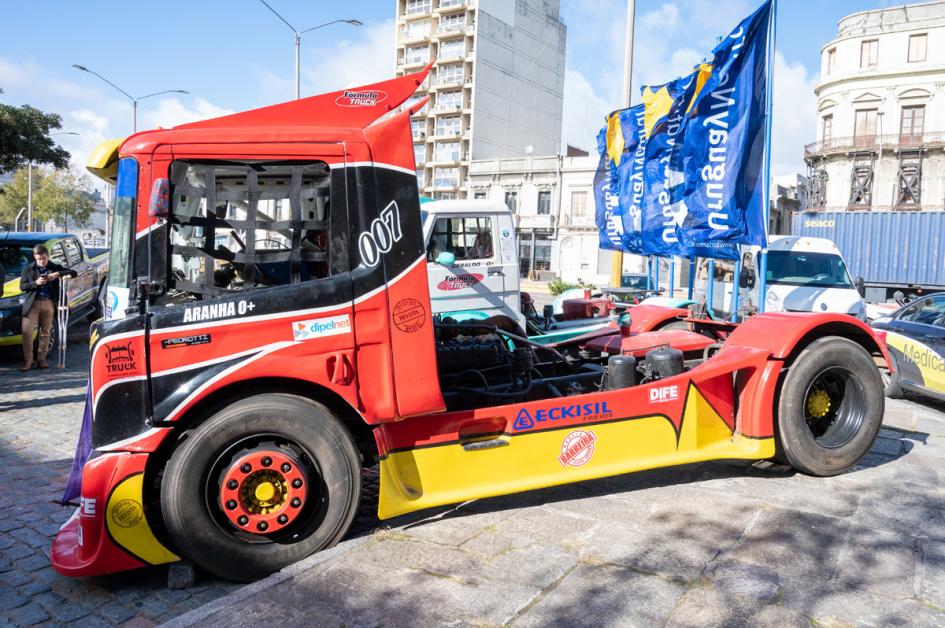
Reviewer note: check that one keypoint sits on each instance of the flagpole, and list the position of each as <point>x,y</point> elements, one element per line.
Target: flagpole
<point>769,106</point>
<point>616,260</point>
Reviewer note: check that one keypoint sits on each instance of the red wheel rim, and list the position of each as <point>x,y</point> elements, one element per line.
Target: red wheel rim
<point>263,491</point>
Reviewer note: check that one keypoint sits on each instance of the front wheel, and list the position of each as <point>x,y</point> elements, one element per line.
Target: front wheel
<point>831,407</point>
<point>263,483</point>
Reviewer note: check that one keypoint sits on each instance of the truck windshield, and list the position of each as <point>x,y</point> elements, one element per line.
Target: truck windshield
<point>822,270</point>
<point>14,257</point>
<point>123,223</point>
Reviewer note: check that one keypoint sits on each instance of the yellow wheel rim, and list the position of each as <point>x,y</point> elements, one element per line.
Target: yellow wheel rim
<point>818,403</point>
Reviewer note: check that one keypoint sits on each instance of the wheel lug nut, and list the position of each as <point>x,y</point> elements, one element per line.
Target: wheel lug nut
<point>286,467</point>
<point>262,526</point>
<point>246,467</point>
<point>266,461</point>
<point>231,504</point>
<point>243,520</point>
<point>282,519</point>
<point>232,484</point>
<point>296,483</point>
<point>296,502</point>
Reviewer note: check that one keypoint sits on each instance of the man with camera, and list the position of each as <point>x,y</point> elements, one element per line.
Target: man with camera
<point>39,281</point>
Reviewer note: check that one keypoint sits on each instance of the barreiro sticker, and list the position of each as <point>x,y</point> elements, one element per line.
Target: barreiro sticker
<point>360,99</point>
<point>577,448</point>
<point>321,327</point>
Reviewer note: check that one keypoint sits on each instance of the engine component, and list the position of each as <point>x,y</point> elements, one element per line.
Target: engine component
<point>665,361</point>
<point>471,352</point>
<point>621,372</point>
<point>522,360</point>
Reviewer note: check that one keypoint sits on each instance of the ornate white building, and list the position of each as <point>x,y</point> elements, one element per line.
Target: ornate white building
<point>497,86</point>
<point>881,110</point>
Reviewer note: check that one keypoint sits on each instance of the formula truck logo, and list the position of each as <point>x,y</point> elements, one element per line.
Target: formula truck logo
<point>459,281</point>
<point>369,98</point>
<point>525,420</point>
<point>577,448</point>
<point>321,327</point>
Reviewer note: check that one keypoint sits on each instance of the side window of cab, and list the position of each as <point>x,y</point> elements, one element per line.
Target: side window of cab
<point>468,238</point>
<point>58,255</point>
<point>928,311</point>
<point>237,227</point>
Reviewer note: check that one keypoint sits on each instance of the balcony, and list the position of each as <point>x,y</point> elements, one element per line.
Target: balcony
<point>445,6</point>
<point>450,79</point>
<point>536,221</point>
<point>416,9</point>
<point>447,108</point>
<point>874,143</point>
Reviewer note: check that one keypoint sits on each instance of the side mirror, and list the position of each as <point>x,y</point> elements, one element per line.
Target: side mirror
<point>159,207</point>
<point>446,258</point>
<point>746,279</point>
<point>860,286</point>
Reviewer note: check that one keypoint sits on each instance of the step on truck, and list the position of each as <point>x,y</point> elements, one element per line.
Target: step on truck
<point>272,335</point>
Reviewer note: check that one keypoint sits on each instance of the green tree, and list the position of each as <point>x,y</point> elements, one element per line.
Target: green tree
<point>13,197</point>
<point>24,137</point>
<point>65,197</point>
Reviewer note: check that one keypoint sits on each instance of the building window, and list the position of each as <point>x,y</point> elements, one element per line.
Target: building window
<point>864,132</point>
<point>544,203</point>
<point>827,129</point>
<point>446,177</point>
<point>419,153</point>
<point>447,151</point>
<point>452,23</point>
<point>917,47</point>
<point>912,125</point>
<point>542,252</point>
<point>449,101</point>
<point>511,201</point>
<point>417,29</point>
<point>869,53</point>
<point>578,207</point>
<point>418,128</point>
<point>448,126</point>
<point>831,60</point>
<point>415,7</point>
<point>445,196</point>
<point>447,74</point>
<point>480,196</point>
<point>417,54</point>
<point>452,50</point>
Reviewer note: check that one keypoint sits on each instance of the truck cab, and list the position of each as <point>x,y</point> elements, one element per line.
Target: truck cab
<point>806,274</point>
<point>479,276</point>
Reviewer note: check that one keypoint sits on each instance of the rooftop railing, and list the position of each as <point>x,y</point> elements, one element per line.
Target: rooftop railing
<point>874,142</point>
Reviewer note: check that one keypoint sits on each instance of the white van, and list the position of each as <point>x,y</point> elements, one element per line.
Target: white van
<point>807,275</point>
<point>482,278</point>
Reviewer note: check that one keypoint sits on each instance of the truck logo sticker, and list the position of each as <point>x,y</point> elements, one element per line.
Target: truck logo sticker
<point>524,420</point>
<point>459,281</point>
<point>409,315</point>
<point>662,394</point>
<point>368,98</point>
<point>127,513</point>
<point>321,327</point>
<point>120,359</point>
<point>577,448</point>
<point>185,341</point>
<point>381,236</point>
<point>217,310</point>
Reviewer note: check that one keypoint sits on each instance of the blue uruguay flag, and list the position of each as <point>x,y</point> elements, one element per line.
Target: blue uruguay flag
<point>723,148</point>
<point>618,182</point>
<point>666,109</point>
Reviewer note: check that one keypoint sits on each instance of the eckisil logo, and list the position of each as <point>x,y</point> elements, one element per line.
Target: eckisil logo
<point>321,327</point>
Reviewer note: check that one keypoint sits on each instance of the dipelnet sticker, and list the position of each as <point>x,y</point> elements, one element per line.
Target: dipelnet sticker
<point>577,448</point>
<point>321,327</point>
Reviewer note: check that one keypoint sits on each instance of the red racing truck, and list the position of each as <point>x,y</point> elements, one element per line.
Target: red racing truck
<point>269,335</point>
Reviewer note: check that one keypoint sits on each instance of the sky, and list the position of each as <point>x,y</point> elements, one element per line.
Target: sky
<point>232,55</point>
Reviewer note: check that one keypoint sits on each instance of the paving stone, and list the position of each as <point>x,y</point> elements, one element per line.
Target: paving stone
<point>18,552</point>
<point>752,582</point>
<point>708,606</point>
<point>34,562</point>
<point>30,537</point>
<point>879,562</point>
<point>34,589</point>
<point>10,598</point>
<point>116,613</point>
<point>29,615</point>
<point>932,572</point>
<point>90,621</point>
<point>829,606</point>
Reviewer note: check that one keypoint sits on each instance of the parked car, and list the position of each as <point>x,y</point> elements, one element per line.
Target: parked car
<point>915,335</point>
<point>85,292</point>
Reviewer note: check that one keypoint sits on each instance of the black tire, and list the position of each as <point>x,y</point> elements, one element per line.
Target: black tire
<point>98,306</point>
<point>683,325</point>
<point>892,382</point>
<point>190,489</point>
<point>831,407</point>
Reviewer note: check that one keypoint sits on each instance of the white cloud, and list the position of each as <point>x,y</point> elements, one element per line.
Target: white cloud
<point>365,57</point>
<point>795,116</point>
<point>172,112</point>
<point>583,114</point>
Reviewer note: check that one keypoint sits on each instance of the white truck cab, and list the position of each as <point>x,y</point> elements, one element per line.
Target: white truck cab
<point>807,275</point>
<point>479,275</point>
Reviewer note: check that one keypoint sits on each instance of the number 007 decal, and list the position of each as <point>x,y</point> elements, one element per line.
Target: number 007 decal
<point>382,235</point>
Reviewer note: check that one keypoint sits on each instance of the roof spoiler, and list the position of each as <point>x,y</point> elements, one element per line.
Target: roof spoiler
<point>103,162</point>
<point>356,107</point>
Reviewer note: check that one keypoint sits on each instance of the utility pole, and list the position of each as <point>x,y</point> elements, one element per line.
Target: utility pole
<point>616,259</point>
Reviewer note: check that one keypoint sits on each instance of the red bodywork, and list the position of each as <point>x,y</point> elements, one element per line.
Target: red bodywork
<point>379,367</point>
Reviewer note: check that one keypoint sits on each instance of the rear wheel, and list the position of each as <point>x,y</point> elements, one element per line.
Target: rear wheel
<point>831,407</point>
<point>263,483</point>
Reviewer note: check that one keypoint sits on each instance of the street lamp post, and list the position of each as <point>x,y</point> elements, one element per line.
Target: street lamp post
<point>298,41</point>
<point>134,101</point>
<point>29,185</point>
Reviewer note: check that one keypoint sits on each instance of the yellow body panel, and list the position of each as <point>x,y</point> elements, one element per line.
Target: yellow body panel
<point>128,527</point>
<point>922,358</point>
<point>432,476</point>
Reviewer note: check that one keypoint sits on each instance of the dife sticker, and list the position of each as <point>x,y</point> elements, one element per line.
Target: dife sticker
<point>577,448</point>
<point>321,327</point>
<point>459,281</point>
